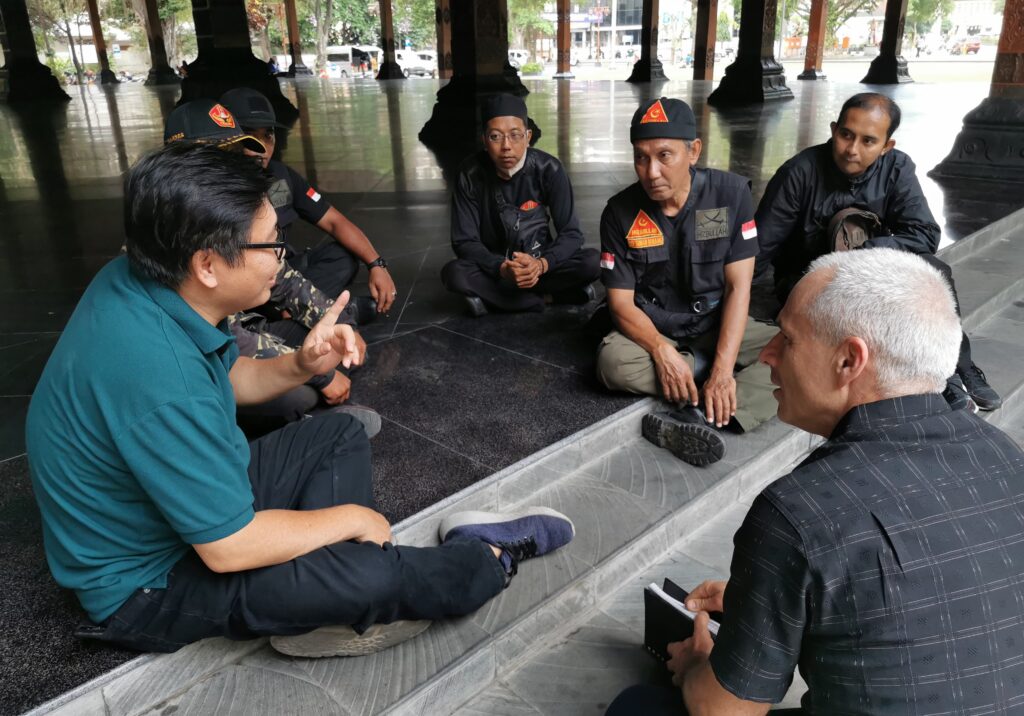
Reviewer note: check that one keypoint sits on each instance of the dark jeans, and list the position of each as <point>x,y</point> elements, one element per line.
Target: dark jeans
<point>305,466</point>
<point>661,701</point>
<point>329,266</point>
<point>467,278</point>
<point>964,360</point>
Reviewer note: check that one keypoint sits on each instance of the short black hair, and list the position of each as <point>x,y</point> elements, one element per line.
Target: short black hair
<point>186,198</point>
<point>874,100</point>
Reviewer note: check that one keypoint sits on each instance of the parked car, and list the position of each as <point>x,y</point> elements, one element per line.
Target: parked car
<point>429,58</point>
<point>412,64</point>
<point>351,60</point>
<point>965,46</point>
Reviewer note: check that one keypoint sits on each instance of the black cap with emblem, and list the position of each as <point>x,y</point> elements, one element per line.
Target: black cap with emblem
<point>251,108</point>
<point>663,118</point>
<point>203,121</point>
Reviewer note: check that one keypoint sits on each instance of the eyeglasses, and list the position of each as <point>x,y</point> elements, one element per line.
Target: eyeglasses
<point>499,137</point>
<point>279,248</point>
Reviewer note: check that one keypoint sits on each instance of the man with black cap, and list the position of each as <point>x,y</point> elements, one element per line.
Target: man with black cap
<point>507,256</point>
<point>677,253</point>
<point>858,191</point>
<point>333,264</point>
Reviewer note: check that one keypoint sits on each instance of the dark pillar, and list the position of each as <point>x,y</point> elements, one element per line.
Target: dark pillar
<point>815,42</point>
<point>889,68</point>
<point>106,76</point>
<point>23,77</point>
<point>480,67</point>
<point>648,68</point>
<point>160,73</point>
<point>225,58</point>
<point>755,76</point>
<point>297,67</point>
<point>389,69</point>
<point>443,21</point>
<point>991,144</point>
<point>704,40</point>
<point>563,72</point>
<point>564,123</point>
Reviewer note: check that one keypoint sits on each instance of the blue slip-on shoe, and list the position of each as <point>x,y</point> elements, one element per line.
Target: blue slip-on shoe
<point>531,532</point>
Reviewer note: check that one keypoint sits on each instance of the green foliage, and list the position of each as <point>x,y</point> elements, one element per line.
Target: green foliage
<point>841,11</point>
<point>414,21</point>
<point>352,24</point>
<point>58,66</point>
<point>724,32</point>
<point>525,22</point>
<point>921,14</point>
<point>531,68</point>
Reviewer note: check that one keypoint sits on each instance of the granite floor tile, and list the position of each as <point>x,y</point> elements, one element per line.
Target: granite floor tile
<point>40,311</point>
<point>22,358</point>
<point>498,700</point>
<point>12,426</point>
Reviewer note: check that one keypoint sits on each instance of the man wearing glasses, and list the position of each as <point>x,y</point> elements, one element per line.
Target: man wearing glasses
<point>508,258</point>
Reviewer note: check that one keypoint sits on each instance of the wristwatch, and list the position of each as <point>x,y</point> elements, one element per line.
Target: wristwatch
<point>378,262</point>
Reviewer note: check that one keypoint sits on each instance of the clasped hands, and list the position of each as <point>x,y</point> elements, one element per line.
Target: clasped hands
<point>523,269</point>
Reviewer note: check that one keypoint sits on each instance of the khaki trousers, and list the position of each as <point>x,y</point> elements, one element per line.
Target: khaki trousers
<point>624,365</point>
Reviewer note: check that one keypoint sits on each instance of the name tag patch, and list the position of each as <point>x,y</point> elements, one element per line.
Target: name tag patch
<point>644,233</point>
<point>712,224</point>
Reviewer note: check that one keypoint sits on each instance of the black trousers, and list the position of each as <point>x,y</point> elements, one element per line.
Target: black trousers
<point>964,360</point>
<point>305,466</point>
<point>329,266</point>
<point>660,701</point>
<point>467,278</point>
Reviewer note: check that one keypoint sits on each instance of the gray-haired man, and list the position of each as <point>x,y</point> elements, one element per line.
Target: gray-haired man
<point>889,566</point>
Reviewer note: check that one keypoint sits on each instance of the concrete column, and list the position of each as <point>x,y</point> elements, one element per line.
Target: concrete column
<point>706,34</point>
<point>755,76</point>
<point>480,67</point>
<point>106,76</point>
<point>225,58</point>
<point>389,69</point>
<point>24,77</point>
<point>648,68</point>
<point>160,72</point>
<point>297,67</point>
<point>443,21</point>
<point>889,68</point>
<point>564,51</point>
<point>815,42</point>
<point>991,144</point>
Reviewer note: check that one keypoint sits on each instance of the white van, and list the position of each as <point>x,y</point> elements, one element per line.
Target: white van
<point>412,64</point>
<point>352,60</point>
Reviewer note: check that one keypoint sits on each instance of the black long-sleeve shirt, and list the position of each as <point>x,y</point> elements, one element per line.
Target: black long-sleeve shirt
<point>541,185</point>
<point>808,190</point>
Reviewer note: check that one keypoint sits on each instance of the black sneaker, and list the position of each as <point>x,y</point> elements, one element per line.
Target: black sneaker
<point>977,387</point>
<point>476,306</point>
<point>956,395</point>
<point>687,434</point>
<point>575,296</point>
<point>362,309</point>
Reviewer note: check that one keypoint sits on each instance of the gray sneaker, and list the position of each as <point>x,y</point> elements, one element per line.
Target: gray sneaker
<point>342,640</point>
<point>369,417</point>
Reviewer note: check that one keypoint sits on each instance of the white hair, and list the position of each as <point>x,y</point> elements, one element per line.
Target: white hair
<point>900,306</point>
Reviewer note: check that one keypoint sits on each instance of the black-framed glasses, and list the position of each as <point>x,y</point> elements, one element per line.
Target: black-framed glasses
<point>514,136</point>
<point>279,247</point>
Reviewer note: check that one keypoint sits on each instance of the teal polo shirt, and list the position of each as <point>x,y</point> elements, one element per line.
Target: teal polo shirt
<point>132,442</point>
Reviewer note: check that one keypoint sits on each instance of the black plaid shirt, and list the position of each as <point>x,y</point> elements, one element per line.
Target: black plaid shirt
<point>889,566</point>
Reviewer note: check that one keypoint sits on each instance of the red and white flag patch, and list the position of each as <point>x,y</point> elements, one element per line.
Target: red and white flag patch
<point>313,194</point>
<point>749,230</point>
<point>608,260</point>
<point>528,205</point>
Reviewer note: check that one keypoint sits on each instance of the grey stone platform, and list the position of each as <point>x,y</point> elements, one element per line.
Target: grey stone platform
<point>565,636</point>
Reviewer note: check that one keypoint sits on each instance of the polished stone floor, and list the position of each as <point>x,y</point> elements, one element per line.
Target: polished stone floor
<point>461,398</point>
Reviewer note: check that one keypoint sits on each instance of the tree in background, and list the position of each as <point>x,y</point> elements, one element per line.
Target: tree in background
<point>921,15</point>
<point>526,24</point>
<point>55,17</point>
<point>337,22</point>
<point>414,23</point>
<point>724,31</point>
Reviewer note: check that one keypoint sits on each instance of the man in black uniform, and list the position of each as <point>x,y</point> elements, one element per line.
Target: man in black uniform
<point>333,264</point>
<point>816,200</point>
<point>677,253</point>
<point>507,256</point>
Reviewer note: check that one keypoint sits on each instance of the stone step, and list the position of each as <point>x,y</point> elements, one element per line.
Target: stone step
<point>633,505</point>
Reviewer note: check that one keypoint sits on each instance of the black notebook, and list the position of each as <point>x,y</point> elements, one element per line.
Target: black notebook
<point>667,620</point>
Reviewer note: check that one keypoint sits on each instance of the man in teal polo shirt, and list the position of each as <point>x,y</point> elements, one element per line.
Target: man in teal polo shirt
<point>168,525</point>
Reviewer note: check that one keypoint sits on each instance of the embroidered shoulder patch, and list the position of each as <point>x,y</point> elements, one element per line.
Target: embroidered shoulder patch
<point>749,230</point>
<point>221,117</point>
<point>608,260</point>
<point>644,233</point>
<point>313,194</point>
<point>712,224</point>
